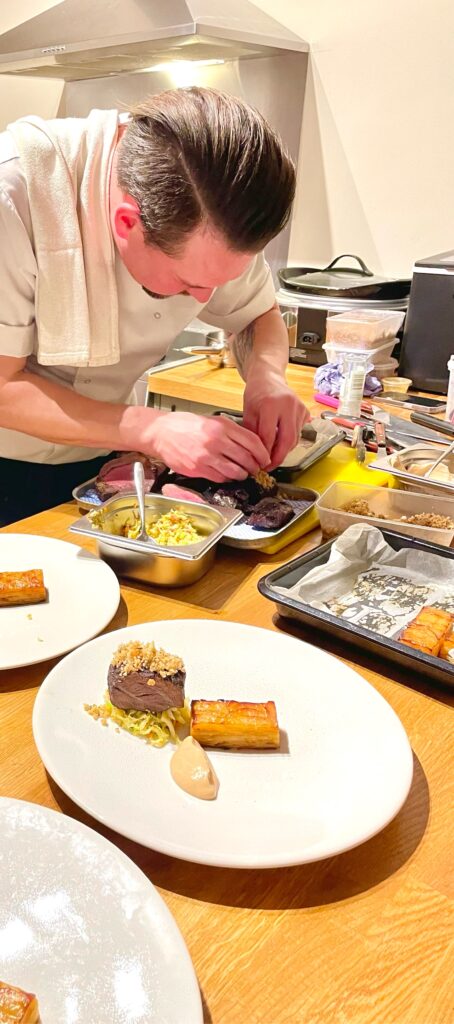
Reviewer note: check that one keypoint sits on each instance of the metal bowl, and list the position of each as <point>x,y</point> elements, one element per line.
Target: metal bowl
<point>148,561</point>
<point>398,465</point>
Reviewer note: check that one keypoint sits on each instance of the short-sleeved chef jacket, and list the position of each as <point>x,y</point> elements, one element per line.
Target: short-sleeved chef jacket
<point>147,326</point>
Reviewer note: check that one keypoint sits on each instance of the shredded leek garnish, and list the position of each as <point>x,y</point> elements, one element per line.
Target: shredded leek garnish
<point>157,728</point>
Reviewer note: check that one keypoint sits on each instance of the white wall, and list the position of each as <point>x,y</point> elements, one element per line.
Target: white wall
<point>376,168</point>
<point>19,96</point>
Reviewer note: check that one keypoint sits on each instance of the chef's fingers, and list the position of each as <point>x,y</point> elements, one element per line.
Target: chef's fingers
<point>287,436</point>
<point>251,443</point>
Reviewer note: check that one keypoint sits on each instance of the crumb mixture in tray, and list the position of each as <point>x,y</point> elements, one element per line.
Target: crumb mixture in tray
<point>361,507</point>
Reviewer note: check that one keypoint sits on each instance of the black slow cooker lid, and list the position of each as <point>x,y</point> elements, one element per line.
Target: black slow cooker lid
<point>343,282</point>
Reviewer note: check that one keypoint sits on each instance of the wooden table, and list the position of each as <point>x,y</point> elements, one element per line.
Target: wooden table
<point>362,938</point>
<point>207,385</point>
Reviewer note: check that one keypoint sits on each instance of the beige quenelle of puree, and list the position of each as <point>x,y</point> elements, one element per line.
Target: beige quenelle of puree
<point>192,770</point>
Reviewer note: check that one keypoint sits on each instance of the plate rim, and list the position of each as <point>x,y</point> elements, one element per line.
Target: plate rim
<point>218,860</point>
<point>165,914</point>
<point>43,656</point>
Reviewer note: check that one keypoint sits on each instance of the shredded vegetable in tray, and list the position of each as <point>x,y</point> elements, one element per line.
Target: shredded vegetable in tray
<point>155,728</point>
<point>173,528</point>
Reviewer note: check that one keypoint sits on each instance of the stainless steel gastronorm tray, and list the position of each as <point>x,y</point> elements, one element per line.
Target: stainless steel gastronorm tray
<point>240,535</point>
<point>211,522</point>
<point>435,669</point>
<point>314,453</point>
<point>412,481</point>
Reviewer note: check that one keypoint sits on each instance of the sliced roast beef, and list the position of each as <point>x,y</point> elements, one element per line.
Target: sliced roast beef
<point>117,475</point>
<point>143,690</point>
<point>182,493</point>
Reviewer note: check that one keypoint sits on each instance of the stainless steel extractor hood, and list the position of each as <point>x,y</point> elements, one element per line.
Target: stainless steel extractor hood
<point>80,39</point>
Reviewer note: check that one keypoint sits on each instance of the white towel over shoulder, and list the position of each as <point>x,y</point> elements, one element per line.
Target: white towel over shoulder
<point>66,163</point>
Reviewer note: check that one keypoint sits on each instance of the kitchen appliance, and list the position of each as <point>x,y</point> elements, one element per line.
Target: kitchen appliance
<point>80,39</point>
<point>315,293</point>
<point>428,340</point>
<point>342,282</point>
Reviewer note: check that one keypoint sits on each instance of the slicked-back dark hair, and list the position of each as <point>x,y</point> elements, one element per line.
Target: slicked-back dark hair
<point>194,156</point>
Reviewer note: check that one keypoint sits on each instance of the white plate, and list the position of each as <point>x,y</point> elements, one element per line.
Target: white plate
<point>84,929</point>
<point>83,596</point>
<point>343,771</point>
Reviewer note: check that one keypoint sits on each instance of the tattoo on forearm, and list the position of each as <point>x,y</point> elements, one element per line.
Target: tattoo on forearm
<point>242,347</point>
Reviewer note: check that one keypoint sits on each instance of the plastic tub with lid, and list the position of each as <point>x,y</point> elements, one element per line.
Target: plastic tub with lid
<point>335,352</point>
<point>363,328</point>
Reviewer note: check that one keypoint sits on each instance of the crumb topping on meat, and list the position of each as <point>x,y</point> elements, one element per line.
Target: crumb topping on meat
<point>265,480</point>
<point>133,656</point>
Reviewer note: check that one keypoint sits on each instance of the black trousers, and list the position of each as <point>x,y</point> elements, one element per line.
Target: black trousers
<point>30,487</point>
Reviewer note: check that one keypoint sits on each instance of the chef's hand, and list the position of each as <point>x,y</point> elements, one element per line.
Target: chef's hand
<point>275,413</point>
<point>210,446</point>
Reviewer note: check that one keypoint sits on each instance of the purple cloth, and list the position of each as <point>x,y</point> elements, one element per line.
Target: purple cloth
<point>328,381</point>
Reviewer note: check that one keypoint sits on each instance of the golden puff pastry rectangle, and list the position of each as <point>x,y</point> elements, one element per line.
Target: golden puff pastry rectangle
<point>427,631</point>
<point>235,724</point>
<point>22,587</point>
<point>17,1006</point>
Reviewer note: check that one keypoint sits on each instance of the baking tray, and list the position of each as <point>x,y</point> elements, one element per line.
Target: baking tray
<point>240,535</point>
<point>317,452</point>
<point>287,472</point>
<point>287,575</point>
<point>411,481</point>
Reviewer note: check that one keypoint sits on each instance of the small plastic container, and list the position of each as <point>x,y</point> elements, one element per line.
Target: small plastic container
<point>384,501</point>
<point>401,384</point>
<point>381,353</point>
<point>385,369</point>
<point>363,328</point>
<point>450,399</point>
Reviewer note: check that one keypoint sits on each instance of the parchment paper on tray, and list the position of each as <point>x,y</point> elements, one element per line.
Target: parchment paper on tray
<point>366,582</point>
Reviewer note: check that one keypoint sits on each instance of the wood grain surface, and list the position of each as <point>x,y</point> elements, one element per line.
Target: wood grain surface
<point>363,938</point>
<point>207,385</point>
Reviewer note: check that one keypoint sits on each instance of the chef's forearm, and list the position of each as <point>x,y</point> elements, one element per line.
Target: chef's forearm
<point>262,347</point>
<point>41,408</point>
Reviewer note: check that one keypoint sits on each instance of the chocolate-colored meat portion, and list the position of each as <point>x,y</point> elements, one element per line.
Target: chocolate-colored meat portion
<point>233,493</point>
<point>270,514</point>
<point>231,497</point>
<point>145,691</point>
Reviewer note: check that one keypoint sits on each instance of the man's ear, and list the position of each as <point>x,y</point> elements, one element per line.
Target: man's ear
<point>126,218</point>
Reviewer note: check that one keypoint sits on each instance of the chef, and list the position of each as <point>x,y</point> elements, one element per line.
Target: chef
<point>116,231</point>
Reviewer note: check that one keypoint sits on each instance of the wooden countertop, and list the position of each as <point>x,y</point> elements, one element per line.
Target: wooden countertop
<point>362,938</point>
<point>207,385</point>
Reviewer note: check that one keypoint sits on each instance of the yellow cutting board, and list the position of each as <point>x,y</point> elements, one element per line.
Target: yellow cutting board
<point>339,464</point>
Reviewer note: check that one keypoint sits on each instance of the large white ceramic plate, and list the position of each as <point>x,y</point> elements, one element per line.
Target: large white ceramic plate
<point>343,771</point>
<point>84,929</point>
<point>83,596</point>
